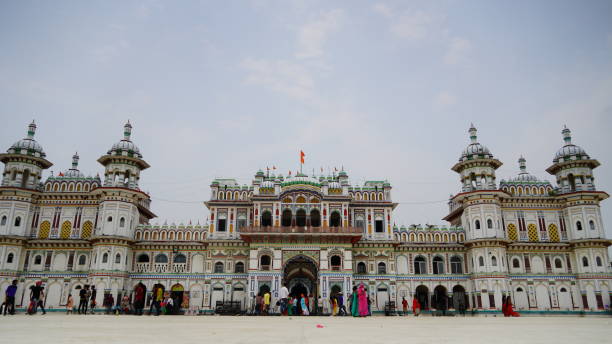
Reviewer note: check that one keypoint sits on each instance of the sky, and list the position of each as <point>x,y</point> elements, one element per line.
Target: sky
<point>385,90</point>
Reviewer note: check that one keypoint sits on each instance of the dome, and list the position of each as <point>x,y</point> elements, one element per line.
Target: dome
<point>126,145</point>
<point>569,150</point>
<point>475,148</point>
<point>300,179</point>
<point>28,145</point>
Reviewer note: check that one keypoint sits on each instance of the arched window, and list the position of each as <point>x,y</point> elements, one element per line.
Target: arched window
<point>598,261</point>
<point>38,260</point>
<point>218,267</point>
<point>286,218</point>
<point>315,218</point>
<point>361,268</point>
<point>25,177</point>
<point>109,219</point>
<point>122,222</point>
<point>18,221</point>
<point>161,258</point>
<point>3,221</point>
<point>239,268</point>
<point>592,224</point>
<point>266,219</point>
<point>489,223</point>
<point>419,265</point>
<point>9,258</point>
<point>477,224</point>
<point>334,219</point>
<point>382,268</point>
<point>300,218</point>
<point>578,225</point>
<point>336,262</point>
<point>572,182</point>
<point>516,263</point>
<point>265,262</point>
<point>105,258</point>
<point>82,259</point>
<point>118,258</point>
<point>585,261</point>
<point>438,265</point>
<point>480,261</point>
<point>456,266</point>
<point>494,261</point>
<point>558,263</point>
<point>143,258</point>
<point>180,259</point>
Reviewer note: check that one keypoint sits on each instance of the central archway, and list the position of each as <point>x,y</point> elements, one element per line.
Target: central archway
<point>300,274</point>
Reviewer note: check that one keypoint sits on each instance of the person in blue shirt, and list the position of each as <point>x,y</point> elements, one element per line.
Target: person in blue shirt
<point>11,290</point>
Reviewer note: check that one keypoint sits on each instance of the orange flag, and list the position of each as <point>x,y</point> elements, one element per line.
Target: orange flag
<point>302,156</point>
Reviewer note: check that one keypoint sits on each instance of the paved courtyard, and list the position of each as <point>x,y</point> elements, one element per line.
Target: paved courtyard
<point>59,328</point>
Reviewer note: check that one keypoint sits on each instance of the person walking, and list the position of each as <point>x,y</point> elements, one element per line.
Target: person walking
<point>363,301</point>
<point>355,302</point>
<point>404,305</point>
<point>69,304</point>
<point>416,306</point>
<point>9,298</point>
<point>83,300</point>
<point>35,295</point>
<point>267,297</point>
<point>92,299</point>
<point>283,295</point>
<point>341,307</point>
<point>108,303</point>
<point>41,301</point>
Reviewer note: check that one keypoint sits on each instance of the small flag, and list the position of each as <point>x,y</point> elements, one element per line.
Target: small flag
<point>289,172</point>
<point>274,167</point>
<point>302,156</point>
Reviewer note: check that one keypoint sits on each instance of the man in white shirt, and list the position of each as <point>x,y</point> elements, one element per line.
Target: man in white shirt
<point>283,295</point>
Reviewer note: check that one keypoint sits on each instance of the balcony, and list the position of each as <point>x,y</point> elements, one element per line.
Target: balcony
<point>301,230</point>
<point>179,267</point>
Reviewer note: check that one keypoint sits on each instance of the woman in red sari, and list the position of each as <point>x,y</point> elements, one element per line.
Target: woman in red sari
<point>507,308</point>
<point>416,306</point>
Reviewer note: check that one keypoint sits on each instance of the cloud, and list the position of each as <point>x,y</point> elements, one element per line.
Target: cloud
<point>383,9</point>
<point>313,35</point>
<point>458,51</point>
<point>290,78</point>
<point>411,25</point>
<point>444,100</point>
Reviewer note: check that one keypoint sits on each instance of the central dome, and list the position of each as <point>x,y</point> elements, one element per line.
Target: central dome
<point>300,179</point>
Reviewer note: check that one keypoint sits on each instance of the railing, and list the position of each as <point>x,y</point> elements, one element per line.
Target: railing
<point>142,267</point>
<point>179,267</point>
<point>302,230</point>
<point>523,236</point>
<point>160,267</point>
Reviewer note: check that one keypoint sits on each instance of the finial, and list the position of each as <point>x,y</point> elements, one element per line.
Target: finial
<point>75,160</point>
<point>522,164</point>
<point>31,129</point>
<point>567,135</point>
<point>127,131</point>
<point>472,132</point>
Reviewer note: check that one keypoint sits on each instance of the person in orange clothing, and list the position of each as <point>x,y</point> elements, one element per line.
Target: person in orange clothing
<point>416,307</point>
<point>405,305</point>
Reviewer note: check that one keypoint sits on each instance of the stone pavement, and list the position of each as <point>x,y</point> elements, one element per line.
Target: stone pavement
<point>60,328</point>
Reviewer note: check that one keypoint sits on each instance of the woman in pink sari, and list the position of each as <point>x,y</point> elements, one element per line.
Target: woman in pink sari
<point>363,301</point>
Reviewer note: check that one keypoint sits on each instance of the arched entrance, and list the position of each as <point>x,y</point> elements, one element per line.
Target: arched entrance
<point>422,294</point>
<point>300,275</point>
<point>176,293</point>
<point>460,299</point>
<point>440,299</point>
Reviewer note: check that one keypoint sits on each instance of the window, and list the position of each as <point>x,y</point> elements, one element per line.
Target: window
<point>480,261</point>
<point>516,263</point>
<point>419,265</point>
<point>82,259</point>
<point>38,260</point>
<point>300,218</point>
<point>592,225</point>
<point>239,268</point>
<point>379,225</point>
<point>336,262</point>
<point>585,261</point>
<point>382,268</point>
<point>242,222</point>
<point>161,258</point>
<point>265,262</point>
<point>286,218</point>
<point>563,290</point>
<point>494,261</point>
<point>109,219</point>
<point>518,290</point>
<point>266,219</point>
<point>17,221</point>
<point>122,222</point>
<point>9,258</point>
<point>359,223</point>
<point>578,225</point>
<point>315,218</point>
<point>105,258</point>
<point>118,258</point>
<point>180,259</point>
<point>221,224</point>
<point>558,264</point>
<point>361,268</point>
<point>218,267</point>
<point>3,221</point>
<point>598,261</point>
<point>456,266</point>
<point>438,265</point>
<point>334,219</point>
<point>477,224</point>
<point>489,223</point>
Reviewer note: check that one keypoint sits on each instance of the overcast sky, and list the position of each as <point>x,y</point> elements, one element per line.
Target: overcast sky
<point>386,89</point>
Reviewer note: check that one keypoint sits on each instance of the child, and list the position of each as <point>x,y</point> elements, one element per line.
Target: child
<point>69,304</point>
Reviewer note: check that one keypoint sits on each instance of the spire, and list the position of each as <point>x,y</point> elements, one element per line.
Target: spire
<point>127,131</point>
<point>31,130</point>
<point>522,164</point>
<point>75,160</point>
<point>567,135</point>
<point>472,132</point>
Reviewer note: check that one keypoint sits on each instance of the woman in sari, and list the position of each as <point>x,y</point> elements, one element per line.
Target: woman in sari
<point>304,306</point>
<point>363,301</point>
<point>507,308</point>
<point>355,302</point>
<point>416,306</point>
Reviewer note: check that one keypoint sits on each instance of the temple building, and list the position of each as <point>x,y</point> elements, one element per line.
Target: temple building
<point>539,242</point>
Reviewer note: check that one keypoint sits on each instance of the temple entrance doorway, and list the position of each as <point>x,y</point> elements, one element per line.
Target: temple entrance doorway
<point>300,277</point>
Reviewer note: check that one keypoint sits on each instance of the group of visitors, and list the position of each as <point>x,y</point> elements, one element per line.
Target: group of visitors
<point>360,302</point>
<point>262,303</point>
<point>296,304</point>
